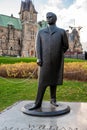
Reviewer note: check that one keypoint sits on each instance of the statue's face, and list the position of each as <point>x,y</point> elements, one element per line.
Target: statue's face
<point>51,18</point>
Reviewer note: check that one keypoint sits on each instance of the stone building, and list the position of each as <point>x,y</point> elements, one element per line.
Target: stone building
<point>17,35</point>
<point>74,40</point>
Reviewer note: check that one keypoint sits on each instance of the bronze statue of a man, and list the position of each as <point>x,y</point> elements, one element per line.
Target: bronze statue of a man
<point>51,44</point>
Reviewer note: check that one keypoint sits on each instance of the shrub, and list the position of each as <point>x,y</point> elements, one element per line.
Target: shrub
<point>76,71</point>
<point>72,71</point>
<point>19,70</point>
<point>3,71</point>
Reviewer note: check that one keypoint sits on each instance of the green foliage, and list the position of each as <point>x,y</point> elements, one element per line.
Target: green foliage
<point>73,60</point>
<point>12,60</point>
<point>13,90</point>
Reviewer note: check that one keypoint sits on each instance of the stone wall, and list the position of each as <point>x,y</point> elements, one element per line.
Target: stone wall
<point>10,41</point>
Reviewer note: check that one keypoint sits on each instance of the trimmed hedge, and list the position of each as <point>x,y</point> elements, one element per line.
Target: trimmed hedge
<point>72,71</point>
<point>76,71</point>
<point>19,70</point>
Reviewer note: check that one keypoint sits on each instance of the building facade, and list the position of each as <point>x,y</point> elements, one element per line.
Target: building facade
<point>17,35</point>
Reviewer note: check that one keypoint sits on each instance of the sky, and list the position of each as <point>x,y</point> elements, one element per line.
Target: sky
<point>69,13</point>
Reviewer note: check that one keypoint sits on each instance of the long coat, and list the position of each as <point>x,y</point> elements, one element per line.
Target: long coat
<point>50,49</point>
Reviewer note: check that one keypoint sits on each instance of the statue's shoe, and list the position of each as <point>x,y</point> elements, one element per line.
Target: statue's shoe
<point>54,103</point>
<point>35,107</point>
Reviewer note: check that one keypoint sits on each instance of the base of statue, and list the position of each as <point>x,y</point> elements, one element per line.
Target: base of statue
<point>46,110</point>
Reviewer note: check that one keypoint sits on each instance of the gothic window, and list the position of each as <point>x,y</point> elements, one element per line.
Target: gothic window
<point>32,34</point>
<point>3,38</point>
<point>10,26</point>
<point>11,48</point>
<point>1,30</point>
<point>19,42</point>
<point>0,43</point>
<point>31,16</point>
<point>26,16</point>
<point>10,31</point>
<point>31,53</point>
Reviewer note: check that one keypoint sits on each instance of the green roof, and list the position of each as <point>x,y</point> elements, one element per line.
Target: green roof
<point>9,20</point>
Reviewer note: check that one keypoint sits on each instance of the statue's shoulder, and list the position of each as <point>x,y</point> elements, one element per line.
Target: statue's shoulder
<point>61,30</point>
<point>43,29</point>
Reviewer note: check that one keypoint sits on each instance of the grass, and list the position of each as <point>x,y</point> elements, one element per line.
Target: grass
<point>13,90</point>
<point>12,60</point>
<point>74,60</point>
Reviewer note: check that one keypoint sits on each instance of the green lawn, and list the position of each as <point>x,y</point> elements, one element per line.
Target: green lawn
<point>13,90</point>
<point>12,60</point>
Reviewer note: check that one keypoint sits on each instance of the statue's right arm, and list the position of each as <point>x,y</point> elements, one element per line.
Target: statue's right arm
<point>38,49</point>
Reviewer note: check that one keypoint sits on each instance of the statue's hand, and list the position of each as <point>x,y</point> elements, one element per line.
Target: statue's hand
<point>39,62</point>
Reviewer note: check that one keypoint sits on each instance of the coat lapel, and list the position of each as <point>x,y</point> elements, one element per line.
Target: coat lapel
<point>46,30</point>
<point>51,32</point>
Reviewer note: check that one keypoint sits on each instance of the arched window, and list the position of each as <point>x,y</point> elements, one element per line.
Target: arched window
<point>31,16</point>
<point>11,48</point>
<point>32,34</point>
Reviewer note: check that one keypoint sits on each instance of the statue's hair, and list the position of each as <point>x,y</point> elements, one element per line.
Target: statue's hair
<point>52,14</point>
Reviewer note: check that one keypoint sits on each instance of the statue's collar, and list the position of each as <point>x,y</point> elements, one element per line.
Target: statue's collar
<point>51,29</point>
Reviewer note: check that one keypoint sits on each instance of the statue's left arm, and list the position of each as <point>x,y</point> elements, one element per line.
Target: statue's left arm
<point>65,41</point>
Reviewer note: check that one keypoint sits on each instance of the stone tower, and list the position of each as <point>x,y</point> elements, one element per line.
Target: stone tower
<point>28,17</point>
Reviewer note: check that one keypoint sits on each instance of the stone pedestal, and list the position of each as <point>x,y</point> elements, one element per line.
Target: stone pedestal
<point>46,110</point>
<point>14,119</point>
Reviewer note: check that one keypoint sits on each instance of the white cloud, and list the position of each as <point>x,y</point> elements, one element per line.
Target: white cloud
<point>10,7</point>
<point>57,3</point>
<point>75,15</point>
<point>49,7</point>
<point>78,11</point>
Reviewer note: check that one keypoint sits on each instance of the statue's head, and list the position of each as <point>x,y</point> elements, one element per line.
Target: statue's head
<point>51,18</point>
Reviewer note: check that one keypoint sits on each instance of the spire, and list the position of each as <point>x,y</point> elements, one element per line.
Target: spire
<point>25,5</point>
<point>27,1</point>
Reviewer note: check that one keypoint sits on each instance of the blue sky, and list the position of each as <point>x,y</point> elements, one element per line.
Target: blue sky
<point>67,3</point>
<point>69,12</point>
<point>12,4</point>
